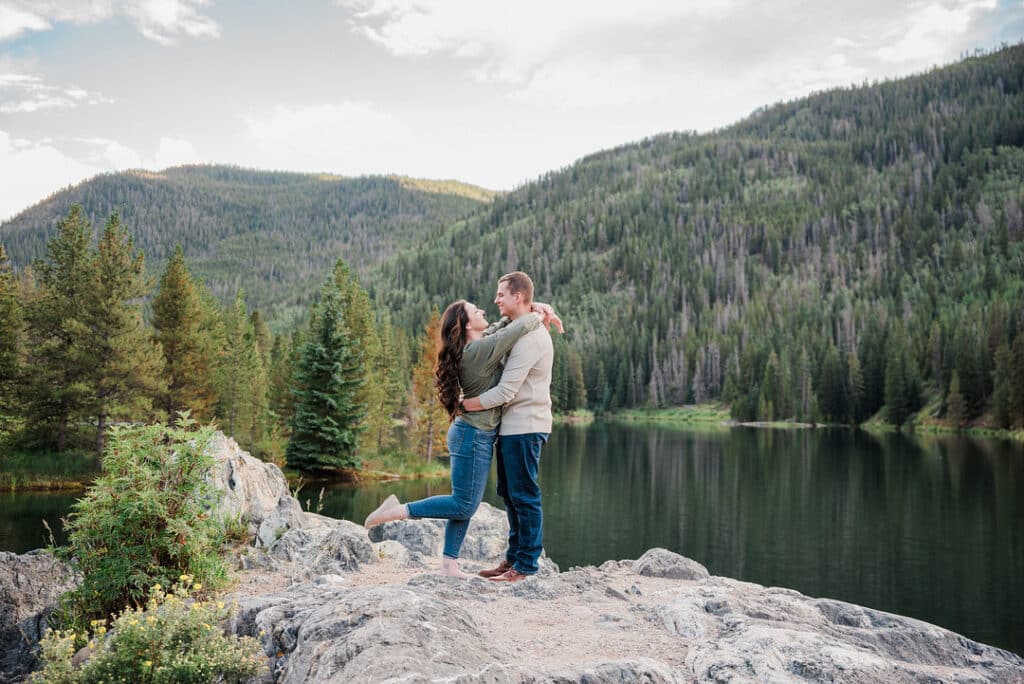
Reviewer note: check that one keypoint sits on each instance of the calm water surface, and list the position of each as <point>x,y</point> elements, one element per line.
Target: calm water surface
<point>927,527</point>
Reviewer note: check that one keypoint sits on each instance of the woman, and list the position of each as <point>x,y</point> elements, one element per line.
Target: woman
<point>468,363</point>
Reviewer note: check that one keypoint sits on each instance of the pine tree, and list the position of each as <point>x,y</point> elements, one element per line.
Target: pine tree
<point>902,383</point>
<point>429,419</point>
<point>366,331</point>
<point>389,372</point>
<point>770,389</point>
<point>1017,379</point>
<point>956,406</point>
<point>187,347</point>
<point>832,389</point>
<point>56,387</point>
<point>328,417</point>
<point>856,388</point>
<point>1003,389</point>
<point>126,363</point>
<point>237,370</point>
<point>10,339</point>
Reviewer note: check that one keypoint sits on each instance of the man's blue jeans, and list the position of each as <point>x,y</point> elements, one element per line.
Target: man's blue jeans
<point>470,450</point>
<point>518,461</point>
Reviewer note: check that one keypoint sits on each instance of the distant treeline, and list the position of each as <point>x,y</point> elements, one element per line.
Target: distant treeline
<point>77,356</point>
<point>859,249</point>
<point>853,254</point>
<point>272,234</point>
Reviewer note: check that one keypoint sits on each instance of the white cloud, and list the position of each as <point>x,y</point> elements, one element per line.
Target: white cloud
<point>349,138</point>
<point>173,152</point>
<point>14,21</point>
<point>27,93</point>
<point>834,70</point>
<point>114,156</point>
<point>32,171</point>
<point>926,33</point>
<point>159,20</point>
<point>583,84</point>
<point>517,38</point>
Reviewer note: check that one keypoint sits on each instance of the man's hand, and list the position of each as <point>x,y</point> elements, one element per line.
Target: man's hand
<point>472,404</point>
<point>549,316</point>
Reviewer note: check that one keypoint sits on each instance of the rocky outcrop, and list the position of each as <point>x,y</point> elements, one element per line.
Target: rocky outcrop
<point>713,629</point>
<point>664,563</point>
<point>329,602</point>
<point>30,587</point>
<point>253,491</point>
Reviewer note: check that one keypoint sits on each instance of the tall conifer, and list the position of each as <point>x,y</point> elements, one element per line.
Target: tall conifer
<point>328,416</point>
<point>126,367</point>
<point>10,334</point>
<point>178,320</point>
<point>429,419</point>
<point>55,391</point>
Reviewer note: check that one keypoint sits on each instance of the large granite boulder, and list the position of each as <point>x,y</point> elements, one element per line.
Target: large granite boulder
<point>739,631</point>
<point>30,587</point>
<point>664,563</point>
<point>320,545</point>
<point>326,632</point>
<point>254,491</point>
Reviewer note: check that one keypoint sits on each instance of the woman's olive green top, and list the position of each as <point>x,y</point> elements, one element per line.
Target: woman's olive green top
<point>481,364</point>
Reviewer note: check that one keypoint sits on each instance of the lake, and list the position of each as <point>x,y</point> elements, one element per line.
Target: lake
<point>922,526</point>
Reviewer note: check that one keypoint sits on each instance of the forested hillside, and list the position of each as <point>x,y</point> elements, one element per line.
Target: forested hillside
<point>275,235</point>
<point>858,248</point>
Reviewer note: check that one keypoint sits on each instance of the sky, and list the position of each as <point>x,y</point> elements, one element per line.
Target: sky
<point>490,93</point>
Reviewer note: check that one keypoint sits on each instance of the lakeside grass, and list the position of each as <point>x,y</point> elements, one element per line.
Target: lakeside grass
<point>41,470</point>
<point>574,418</point>
<point>925,422</point>
<point>707,416</point>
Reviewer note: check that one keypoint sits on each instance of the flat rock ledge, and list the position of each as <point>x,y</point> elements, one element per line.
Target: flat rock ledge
<point>330,603</point>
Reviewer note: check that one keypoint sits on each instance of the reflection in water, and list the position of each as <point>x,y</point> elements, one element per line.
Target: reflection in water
<point>928,527</point>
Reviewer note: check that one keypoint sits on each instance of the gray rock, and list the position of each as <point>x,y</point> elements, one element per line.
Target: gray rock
<point>638,671</point>
<point>739,630</point>
<point>30,587</point>
<point>324,546</point>
<point>367,634</point>
<point>665,563</point>
<point>420,536</point>
<point>252,490</point>
<point>390,551</point>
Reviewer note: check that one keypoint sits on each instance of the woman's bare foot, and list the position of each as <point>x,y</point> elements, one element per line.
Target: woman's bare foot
<point>389,510</point>
<point>450,568</point>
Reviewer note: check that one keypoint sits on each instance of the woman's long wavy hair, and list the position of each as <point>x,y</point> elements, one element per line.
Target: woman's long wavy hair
<point>449,356</point>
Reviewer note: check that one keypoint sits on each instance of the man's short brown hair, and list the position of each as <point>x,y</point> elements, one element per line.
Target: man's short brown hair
<point>518,283</point>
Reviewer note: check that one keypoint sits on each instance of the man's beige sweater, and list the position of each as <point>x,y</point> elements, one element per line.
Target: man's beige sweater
<point>525,387</point>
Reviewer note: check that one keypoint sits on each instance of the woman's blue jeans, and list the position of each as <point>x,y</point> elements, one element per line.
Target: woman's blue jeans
<point>470,450</point>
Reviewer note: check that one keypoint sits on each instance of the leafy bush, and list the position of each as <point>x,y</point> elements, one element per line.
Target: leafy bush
<point>173,639</point>
<point>144,522</point>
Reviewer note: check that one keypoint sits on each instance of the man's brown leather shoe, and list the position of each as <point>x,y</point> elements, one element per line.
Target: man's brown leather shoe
<point>502,568</point>
<point>512,575</point>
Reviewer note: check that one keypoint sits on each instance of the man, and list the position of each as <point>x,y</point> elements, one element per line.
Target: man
<point>525,391</point>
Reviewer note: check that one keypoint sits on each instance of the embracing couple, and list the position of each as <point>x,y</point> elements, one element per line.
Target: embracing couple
<point>492,398</point>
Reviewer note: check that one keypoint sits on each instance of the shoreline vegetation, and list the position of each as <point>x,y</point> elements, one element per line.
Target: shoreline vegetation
<point>42,471</point>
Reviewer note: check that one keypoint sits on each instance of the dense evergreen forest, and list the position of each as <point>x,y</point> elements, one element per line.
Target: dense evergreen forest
<point>857,253</point>
<point>272,235</point>
<point>857,249</point>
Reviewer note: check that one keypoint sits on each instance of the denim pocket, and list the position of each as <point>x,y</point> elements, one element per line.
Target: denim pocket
<point>457,434</point>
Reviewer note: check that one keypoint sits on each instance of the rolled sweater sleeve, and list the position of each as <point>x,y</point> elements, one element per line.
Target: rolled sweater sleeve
<point>524,355</point>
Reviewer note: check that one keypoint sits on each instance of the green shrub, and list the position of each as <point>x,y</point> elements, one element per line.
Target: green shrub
<point>145,521</point>
<point>173,639</point>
